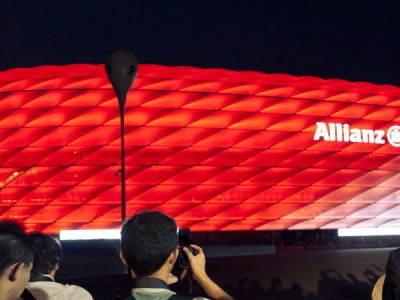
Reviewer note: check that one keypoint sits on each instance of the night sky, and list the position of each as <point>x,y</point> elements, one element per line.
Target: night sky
<point>352,40</point>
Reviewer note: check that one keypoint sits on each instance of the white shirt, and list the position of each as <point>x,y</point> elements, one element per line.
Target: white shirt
<point>47,290</point>
<point>156,294</point>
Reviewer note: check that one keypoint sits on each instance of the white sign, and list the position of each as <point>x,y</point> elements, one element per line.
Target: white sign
<point>343,133</point>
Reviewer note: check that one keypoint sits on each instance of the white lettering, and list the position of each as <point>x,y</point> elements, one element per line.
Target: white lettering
<point>321,131</point>
<point>393,136</point>
<point>355,135</point>
<point>378,136</point>
<point>346,133</point>
<point>339,135</point>
<point>368,136</point>
<point>343,133</point>
<point>332,131</point>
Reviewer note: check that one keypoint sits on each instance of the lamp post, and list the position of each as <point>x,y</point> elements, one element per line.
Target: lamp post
<point>121,68</point>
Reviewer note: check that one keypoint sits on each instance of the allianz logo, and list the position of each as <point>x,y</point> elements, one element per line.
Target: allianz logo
<point>337,132</point>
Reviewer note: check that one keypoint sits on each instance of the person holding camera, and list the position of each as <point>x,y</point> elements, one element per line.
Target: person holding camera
<point>149,246</point>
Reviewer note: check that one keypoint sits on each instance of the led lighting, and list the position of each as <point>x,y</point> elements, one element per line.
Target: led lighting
<point>102,234</point>
<point>220,150</point>
<point>368,231</point>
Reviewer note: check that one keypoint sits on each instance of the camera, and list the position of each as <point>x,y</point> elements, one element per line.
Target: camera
<point>184,240</point>
<point>182,260</point>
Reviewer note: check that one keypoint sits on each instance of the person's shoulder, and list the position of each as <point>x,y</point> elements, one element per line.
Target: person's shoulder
<point>395,252</point>
<point>180,297</point>
<point>77,291</point>
<point>44,285</point>
<point>394,258</point>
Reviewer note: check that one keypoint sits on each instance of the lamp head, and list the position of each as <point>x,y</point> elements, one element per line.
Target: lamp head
<point>121,68</point>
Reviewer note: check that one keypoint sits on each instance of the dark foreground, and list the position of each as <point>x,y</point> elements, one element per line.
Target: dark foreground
<point>312,274</point>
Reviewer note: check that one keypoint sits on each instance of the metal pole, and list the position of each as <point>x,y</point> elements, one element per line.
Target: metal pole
<point>121,68</point>
<point>123,196</point>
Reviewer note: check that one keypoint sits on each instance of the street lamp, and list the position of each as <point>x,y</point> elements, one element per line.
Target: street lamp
<point>121,68</point>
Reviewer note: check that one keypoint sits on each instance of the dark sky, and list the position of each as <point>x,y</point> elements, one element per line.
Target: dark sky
<point>352,40</point>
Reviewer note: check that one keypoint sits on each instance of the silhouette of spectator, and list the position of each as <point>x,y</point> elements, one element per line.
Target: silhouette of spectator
<point>47,255</point>
<point>391,285</point>
<point>297,292</point>
<point>15,260</point>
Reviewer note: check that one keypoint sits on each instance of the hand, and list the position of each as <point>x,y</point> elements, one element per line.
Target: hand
<point>198,266</point>
<point>197,262</point>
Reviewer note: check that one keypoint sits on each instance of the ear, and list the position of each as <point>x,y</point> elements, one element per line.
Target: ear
<point>15,271</point>
<point>122,257</point>
<point>57,266</point>
<point>174,256</point>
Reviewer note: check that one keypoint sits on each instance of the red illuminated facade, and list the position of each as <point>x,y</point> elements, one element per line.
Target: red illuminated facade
<point>215,149</point>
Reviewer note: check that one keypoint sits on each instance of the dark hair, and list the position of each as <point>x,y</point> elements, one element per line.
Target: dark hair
<point>14,245</point>
<point>147,240</point>
<point>47,251</point>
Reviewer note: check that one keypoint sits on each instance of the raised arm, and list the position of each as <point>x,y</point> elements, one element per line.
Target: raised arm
<point>198,266</point>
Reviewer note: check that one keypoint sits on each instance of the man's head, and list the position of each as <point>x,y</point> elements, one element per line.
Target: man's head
<point>47,251</point>
<point>147,241</point>
<point>16,259</point>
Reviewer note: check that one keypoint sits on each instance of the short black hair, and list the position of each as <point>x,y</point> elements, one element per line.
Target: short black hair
<point>14,245</point>
<point>47,253</point>
<point>147,240</point>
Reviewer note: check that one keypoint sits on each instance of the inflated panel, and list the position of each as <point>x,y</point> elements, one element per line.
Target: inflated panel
<point>216,149</point>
